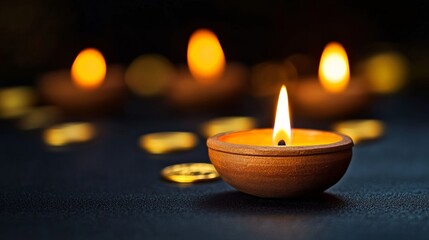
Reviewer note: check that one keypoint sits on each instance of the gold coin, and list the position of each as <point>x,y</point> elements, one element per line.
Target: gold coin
<point>166,142</point>
<point>190,172</point>
<point>16,101</point>
<point>360,130</point>
<point>68,133</point>
<point>227,124</point>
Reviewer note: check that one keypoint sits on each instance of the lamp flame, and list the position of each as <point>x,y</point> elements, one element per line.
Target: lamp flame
<point>89,69</point>
<point>334,71</point>
<point>282,126</point>
<point>206,59</point>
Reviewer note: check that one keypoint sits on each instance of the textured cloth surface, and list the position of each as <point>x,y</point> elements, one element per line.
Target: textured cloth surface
<point>111,189</point>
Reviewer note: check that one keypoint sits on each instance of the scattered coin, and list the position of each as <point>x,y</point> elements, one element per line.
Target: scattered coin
<point>190,172</point>
<point>360,130</point>
<point>68,133</point>
<point>227,124</point>
<point>166,142</point>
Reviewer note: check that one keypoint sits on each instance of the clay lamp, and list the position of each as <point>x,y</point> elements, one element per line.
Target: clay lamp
<point>281,162</point>
<point>90,87</point>
<point>209,81</point>
<point>335,93</point>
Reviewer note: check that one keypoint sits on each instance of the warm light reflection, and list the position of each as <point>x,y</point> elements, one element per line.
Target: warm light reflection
<point>206,59</point>
<point>89,69</point>
<point>282,128</point>
<point>264,137</point>
<point>334,72</point>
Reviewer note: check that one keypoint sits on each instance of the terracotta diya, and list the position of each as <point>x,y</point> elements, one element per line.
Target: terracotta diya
<point>90,88</point>
<point>334,94</point>
<point>281,162</point>
<point>209,81</point>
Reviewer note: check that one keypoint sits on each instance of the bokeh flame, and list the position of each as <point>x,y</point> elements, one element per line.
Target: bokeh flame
<point>206,59</point>
<point>282,126</point>
<point>334,71</point>
<point>89,69</point>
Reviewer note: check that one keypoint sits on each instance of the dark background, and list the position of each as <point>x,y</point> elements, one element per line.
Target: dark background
<point>110,189</point>
<point>37,36</point>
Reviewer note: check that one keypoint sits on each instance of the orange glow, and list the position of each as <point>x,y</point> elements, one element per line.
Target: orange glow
<point>89,69</point>
<point>334,72</point>
<point>264,137</point>
<point>206,59</point>
<point>282,128</point>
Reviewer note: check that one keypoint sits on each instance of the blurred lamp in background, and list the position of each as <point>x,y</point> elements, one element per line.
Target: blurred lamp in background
<point>386,72</point>
<point>334,94</point>
<point>206,60</point>
<point>16,101</point>
<point>334,71</point>
<point>209,80</point>
<point>89,88</point>
<point>89,69</point>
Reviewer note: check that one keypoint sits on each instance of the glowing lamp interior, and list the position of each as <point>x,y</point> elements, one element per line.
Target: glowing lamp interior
<point>334,72</point>
<point>282,129</point>
<point>89,69</point>
<point>263,137</point>
<point>206,60</point>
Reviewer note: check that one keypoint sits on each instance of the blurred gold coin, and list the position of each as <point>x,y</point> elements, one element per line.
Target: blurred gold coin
<point>16,101</point>
<point>360,130</point>
<point>39,117</point>
<point>149,74</point>
<point>68,133</point>
<point>227,124</point>
<point>166,142</point>
<point>190,172</point>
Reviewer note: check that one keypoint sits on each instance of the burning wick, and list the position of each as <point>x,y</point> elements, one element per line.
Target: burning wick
<point>282,132</point>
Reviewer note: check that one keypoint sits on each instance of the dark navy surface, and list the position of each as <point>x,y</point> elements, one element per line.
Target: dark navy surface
<point>111,189</point>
